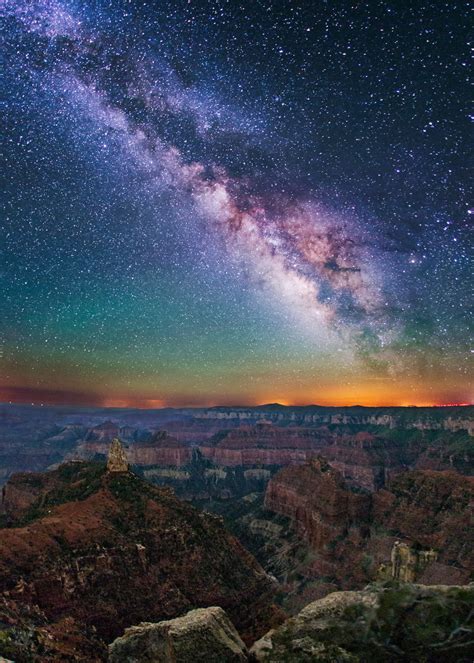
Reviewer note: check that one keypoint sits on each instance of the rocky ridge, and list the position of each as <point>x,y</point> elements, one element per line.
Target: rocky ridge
<point>34,439</point>
<point>109,550</point>
<point>388,622</point>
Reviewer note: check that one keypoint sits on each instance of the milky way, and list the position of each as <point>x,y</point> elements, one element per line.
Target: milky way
<point>221,202</point>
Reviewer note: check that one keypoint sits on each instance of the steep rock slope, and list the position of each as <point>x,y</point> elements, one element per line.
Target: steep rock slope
<point>353,533</point>
<point>264,444</point>
<point>111,550</point>
<point>27,636</point>
<point>432,510</point>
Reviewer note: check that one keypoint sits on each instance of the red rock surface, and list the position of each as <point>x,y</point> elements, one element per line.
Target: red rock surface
<point>326,511</point>
<point>264,444</point>
<point>111,550</point>
<point>434,509</point>
<point>353,533</point>
<point>364,459</point>
<point>390,439</point>
<point>161,449</point>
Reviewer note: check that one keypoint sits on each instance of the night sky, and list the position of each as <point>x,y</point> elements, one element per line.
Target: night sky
<point>236,203</point>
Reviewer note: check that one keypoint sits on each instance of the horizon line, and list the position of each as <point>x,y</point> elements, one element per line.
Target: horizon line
<point>230,407</point>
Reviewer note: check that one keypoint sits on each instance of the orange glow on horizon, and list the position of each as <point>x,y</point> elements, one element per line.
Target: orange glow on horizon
<point>141,404</point>
<point>145,403</point>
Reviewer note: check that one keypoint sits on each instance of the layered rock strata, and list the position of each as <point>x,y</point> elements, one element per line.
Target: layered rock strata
<point>353,533</point>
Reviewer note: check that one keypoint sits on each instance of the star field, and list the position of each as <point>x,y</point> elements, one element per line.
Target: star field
<point>236,202</point>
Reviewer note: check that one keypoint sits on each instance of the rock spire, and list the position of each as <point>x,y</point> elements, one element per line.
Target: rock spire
<point>117,460</point>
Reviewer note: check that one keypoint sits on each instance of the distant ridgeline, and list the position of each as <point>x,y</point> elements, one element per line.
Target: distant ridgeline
<point>451,418</point>
<point>228,452</point>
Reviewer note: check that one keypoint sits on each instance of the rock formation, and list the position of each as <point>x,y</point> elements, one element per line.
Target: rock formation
<point>421,527</point>
<point>265,444</point>
<point>381,624</point>
<point>407,563</point>
<point>160,449</point>
<point>368,445</point>
<point>117,459</point>
<point>108,550</point>
<point>205,635</point>
<point>316,497</point>
<point>434,511</point>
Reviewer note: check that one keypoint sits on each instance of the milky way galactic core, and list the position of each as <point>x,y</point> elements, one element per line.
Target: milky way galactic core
<point>236,203</point>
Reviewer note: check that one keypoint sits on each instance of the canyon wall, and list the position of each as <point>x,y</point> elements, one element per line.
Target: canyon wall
<point>422,418</point>
<point>368,446</point>
<point>353,533</point>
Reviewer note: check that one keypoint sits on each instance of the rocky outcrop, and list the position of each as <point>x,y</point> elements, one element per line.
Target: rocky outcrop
<point>154,449</point>
<point>408,563</point>
<point>330,516</point>
<point>205,635</point>
<point>109,550</point>
<point>382,623</point>
<point>117,460</point>
<point>160,449</point>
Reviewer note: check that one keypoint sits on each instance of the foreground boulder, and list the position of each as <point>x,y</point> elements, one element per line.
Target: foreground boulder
<point>205,634</point>
<point>382,623</point>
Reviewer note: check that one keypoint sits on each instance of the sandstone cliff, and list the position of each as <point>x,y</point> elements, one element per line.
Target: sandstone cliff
<point>316,497</point>
<point>264,444</point>
<point>34,439</point>
<point>352,534</point>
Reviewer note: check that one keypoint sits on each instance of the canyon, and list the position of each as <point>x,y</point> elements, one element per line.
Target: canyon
<point>259,511</point>
<point>367,445</point>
